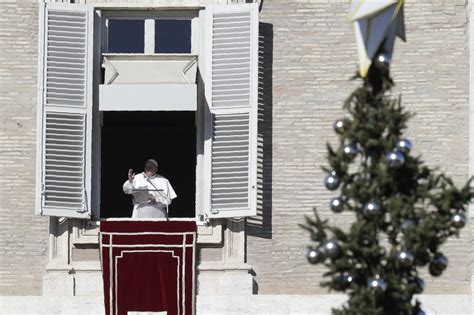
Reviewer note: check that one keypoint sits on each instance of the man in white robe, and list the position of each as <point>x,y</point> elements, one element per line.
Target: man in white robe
<point>152,193</point>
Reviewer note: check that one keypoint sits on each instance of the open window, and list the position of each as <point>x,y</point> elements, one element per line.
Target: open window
<point>152,66</point>
<point>148,104</point>
<point>131,137</point>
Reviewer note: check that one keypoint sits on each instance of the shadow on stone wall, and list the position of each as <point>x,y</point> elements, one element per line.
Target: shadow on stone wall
<point>261,225</point>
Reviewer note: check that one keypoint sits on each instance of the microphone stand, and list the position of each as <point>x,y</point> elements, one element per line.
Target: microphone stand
<point>160,192</point>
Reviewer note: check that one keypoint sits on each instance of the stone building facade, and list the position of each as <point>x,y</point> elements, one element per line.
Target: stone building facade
<point>307,55</point>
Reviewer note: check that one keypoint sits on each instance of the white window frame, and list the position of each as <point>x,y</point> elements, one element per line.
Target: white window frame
<point>149,18</point>
<point>197,48</point>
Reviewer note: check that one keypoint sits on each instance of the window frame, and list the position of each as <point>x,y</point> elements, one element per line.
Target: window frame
<point>199,39</point>
<point>101,50</point>
<point>149,18</point>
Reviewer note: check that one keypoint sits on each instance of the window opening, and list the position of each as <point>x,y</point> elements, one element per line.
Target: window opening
<point>126,36</point>
<point>173,36</point>
<point>130,138</point>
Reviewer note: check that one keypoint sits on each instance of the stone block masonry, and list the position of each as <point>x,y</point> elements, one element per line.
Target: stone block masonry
<point>313,58</point>
<point>23,234</point>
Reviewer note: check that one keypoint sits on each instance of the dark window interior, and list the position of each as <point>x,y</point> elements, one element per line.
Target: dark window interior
<point>173,36</point>
<point>130,138</point>
<point>126,36</point>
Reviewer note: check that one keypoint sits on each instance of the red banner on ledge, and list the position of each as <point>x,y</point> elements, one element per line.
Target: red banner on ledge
<point>148,266</point>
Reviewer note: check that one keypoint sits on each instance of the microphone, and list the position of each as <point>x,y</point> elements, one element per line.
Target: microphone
<point>149,180</point>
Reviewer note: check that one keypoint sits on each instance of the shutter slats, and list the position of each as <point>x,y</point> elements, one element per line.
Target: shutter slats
<point>238,37</point>
<point>231,76</point>
<point>231,23</point>
<point>56,15</point>
<point>61,88</point>
<point>230,126</point>
<point>228,30</point>
<point>66,105</point>
<point>244,60</point>
<point>69,69</point>
<point>64,23</point>
<point>60,125</point>
<point>223,165</point>
<point>66,37</point>
<point>236,41</point>
<point>233,15</point>
<point>54,179</point>
<point>63,167</point>
<point>62,206</point>
<point>232,79</point>
<point>57,43</point>
<point>66,63</point>
<point>63,101</point>
<point>231,91</point>
<point>63,85</point>
<point>57,49</point>
<point>229,67</point>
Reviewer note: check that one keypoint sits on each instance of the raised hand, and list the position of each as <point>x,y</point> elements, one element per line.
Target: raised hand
<point>131,175</point>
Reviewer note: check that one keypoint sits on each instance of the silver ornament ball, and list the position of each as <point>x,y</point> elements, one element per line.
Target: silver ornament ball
<point>336,205</point>
<point>371,209</point>
<point>350,151</point>
<point>420,285</point>
<point>419,311</point>
<point>314,255</point>
<point>404,145</point>
<point>377,284</point>
<point>384,58</point>
<point>349,278</point>
<point>395,159</point>
<point>366,242</point>
<point>435,272</point>
<point>407,225</point>
<point>332,181</point>
<point>344,280</point>
<point>331,249</point>
<point>341,125</point>
<point>405,259</point>
<point>422,258</point>
<point>459,220</point>
<point>440,262</point>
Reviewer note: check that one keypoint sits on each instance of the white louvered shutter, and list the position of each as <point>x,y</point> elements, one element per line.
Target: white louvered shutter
<point>65,110</point>
<point>230,77</point>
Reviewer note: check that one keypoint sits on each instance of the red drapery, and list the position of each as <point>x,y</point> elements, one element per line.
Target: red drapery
<point>148,266</point>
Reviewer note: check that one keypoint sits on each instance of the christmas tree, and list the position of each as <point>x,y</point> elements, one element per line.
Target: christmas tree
<point>404,211</point>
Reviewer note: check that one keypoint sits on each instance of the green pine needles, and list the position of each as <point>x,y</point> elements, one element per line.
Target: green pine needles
<point>404,211</point>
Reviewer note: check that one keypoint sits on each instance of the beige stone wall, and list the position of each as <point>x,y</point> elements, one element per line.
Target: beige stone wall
<point>23,235</point>
<point>313,58</point>
<point>309,54</point>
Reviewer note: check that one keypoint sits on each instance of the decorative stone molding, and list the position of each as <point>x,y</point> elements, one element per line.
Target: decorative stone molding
<point>210,233</point>
<point>231,274</point>
<point>85,232</point>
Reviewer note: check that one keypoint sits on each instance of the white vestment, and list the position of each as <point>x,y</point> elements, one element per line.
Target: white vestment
<point>142,187</point>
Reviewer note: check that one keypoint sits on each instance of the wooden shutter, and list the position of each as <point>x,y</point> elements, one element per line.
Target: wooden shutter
<point>230,78</point>
<point>64,110</point>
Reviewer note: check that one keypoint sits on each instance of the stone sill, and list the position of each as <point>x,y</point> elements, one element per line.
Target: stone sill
<point>219,266</point>
<point>222,305</point>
